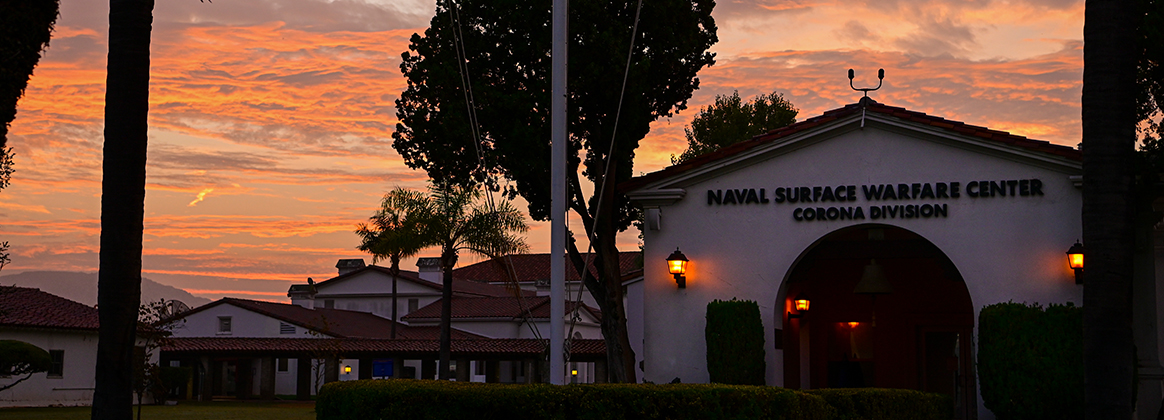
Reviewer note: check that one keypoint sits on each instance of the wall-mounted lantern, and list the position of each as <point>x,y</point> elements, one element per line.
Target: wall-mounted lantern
<point>801,304</point>
<point>347,369</point>
<point>1075,261</point>
<point>854,324</point>
<point>677,266</point>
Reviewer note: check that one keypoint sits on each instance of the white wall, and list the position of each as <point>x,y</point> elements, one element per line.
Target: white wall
<point>73,387</point>
<point>244,323</point>
<point>1006,248</point>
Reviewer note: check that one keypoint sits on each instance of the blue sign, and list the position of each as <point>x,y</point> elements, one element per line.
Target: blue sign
<point>382,368</point>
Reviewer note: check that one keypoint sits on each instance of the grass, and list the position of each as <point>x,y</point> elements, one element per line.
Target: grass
<point>185,410</point>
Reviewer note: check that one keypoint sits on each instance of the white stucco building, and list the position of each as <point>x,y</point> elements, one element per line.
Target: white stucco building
<point>954,217</point>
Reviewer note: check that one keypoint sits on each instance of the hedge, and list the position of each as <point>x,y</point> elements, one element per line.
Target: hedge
<point>416,399</point>
<point>886,404</point>
<point>1030,361</point>
<point>735,342</point>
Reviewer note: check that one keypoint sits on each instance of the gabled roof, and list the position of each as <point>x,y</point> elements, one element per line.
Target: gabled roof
<point>506,308</point>
<point>533,268</point>
<point>32,308</point>
<point>338,323</point>
<point>871,108</point>
<point>460,287</point>
<point>590,349</point>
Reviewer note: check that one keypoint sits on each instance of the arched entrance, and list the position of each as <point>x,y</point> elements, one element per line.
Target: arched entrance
<point>911,328</point>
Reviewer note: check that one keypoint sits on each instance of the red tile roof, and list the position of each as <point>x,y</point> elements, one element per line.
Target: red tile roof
<point>532,268</point>
<point>507,308</point>
<point>460,286</point>
<point>851,109</point>
<point>334,322</point>
<point>32,308</point>
<point>507,346</point>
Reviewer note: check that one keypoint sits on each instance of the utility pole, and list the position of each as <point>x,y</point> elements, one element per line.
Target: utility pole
<point>559,138</point>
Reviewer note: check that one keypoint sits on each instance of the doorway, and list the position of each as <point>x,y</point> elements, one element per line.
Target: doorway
<point>887,309</point>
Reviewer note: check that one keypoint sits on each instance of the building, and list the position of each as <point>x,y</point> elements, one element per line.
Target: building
<point>896,226</point>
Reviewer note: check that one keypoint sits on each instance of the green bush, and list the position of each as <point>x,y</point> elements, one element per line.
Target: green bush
<point>1030,361</point>
<point>413,399</point>
<point>886,404</point>
<point>735,342</point>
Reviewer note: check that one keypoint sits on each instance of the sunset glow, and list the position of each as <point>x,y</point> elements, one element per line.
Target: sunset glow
<point>271,120</point>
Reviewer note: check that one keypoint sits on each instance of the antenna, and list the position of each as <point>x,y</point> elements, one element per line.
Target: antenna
<point>880,78</point>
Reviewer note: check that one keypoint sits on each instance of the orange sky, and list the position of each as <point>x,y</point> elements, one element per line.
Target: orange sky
<point>271,120</point>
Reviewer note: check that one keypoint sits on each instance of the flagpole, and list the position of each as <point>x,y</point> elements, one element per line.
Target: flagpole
<point>558,196</point>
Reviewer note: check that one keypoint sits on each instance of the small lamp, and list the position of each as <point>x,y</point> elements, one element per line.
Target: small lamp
<point>347,369</point>
<point>1075,261</point>
<point>800,303</point>
<point>677,266</point>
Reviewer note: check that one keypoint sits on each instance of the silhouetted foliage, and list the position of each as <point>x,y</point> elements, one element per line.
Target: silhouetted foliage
<point>1150,71</point>
<point>25,29</point>
<point>1030,361</point>
<point>735,342</point>
<point>507,50</point>
<point>730,120</point>
<point>19,358</point>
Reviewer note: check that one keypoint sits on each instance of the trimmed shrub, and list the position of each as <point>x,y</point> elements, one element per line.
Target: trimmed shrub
<point>412,399</point>
<point>735,342</point>
<point>1030,361</point>
<point>886,404</point>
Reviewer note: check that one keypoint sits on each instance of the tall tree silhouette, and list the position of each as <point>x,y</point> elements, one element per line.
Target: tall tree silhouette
<point>506,45</point>
<point>394,233</point>
<point>122,204</point>
<point>1110,57</point>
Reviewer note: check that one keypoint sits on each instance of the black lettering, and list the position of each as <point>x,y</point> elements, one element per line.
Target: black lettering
<point>752,198</point>
<point>859,214</point>
<point>872,192</point>
<point>839,193</point>
<point>954,189</point>
<point>816,194</point>
<point>997,189</point>
<point>796,214</point>
<point>927,191</point>
<point>832,213</point>
<point>821,214</point>
<point>1024,187</point>
<point>903,192</point>
<point>714,197</point>
<point>927,210</point>
<point>729,198</point>
<point>741,196</point>
<point>846,213</point>
<point>874,212</point>
<point>941,211</point>
<point>778,195</point>
<point>910,212</point>
<point>809,213</point>
<point>827,195</point>
<point>763,196</point>
<point>805,195</point>
<point>1011,184</point>
<point>851,192</point>
<point>941,190</point>
<point>889,192</point>
<point>1036,187</point>
<point>915,189</point>
<point>891,212</point>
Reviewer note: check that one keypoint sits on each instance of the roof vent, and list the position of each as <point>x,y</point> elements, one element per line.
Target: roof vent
<point>349,265</point>
<point>429,269</point>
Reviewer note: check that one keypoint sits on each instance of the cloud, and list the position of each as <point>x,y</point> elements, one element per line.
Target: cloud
<point>201,196</point>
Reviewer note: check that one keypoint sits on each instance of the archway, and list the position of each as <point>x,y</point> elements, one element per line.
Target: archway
<point>915,334</point>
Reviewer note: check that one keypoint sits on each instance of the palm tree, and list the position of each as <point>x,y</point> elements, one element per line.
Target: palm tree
<point>459,222</point>
<point>1110,56</point>
<point>393,233</point>
<point>122,204</point>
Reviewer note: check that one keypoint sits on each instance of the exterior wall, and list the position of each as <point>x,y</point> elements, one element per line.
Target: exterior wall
<point>634,322</point>
<point>1006,248</point>
<point>73,387</point>
<point>244,323</point>
<point>371,291</point>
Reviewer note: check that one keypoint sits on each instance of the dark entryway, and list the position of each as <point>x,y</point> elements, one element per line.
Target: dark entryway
<point>910,326</point>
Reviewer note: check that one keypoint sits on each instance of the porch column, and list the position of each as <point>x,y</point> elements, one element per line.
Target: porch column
<point>303,378</point>
<point>267,378</point>
<point>365,368</point>
<point>245,379</point>
<point>331,372</point>
<point>427,369</point>
<point>531,371</point>
<point>463,370</point>
<point>398,367</point>
<point>204,379</point>
<point>492,371</point>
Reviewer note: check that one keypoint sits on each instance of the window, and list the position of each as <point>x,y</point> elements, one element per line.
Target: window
<point>285,328</point>
<point>480,367</point>
<point>329,303</point>
<point>283,365</point>
<point>413,305</point>
<point>224,325</point>
<point>57,367</point>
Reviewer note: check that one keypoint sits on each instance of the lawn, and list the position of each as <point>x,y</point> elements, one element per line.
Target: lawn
<point>185,410</point>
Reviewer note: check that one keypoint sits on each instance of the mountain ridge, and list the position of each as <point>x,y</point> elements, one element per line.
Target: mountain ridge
<point>82,287</point>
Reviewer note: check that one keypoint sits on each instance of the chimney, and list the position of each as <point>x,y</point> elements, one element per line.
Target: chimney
<point>429,269</point>
<point>303,294</point>
<point>349,265</point>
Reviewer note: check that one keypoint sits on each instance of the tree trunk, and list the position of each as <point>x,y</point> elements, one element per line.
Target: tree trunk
<point>1109,124</point>
<point>448,261</point>
<point>122,204</point>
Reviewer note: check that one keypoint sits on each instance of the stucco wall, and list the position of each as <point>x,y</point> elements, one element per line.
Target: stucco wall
<point>1006,248</point>
<point>244,323</point>
<point>73,387</point>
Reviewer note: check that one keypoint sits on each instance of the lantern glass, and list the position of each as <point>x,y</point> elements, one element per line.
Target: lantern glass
<point>1075,260</point>
<point>347,369</point>
<point>854,324</point>
<point>677,266</point>
<point>801,304</point>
